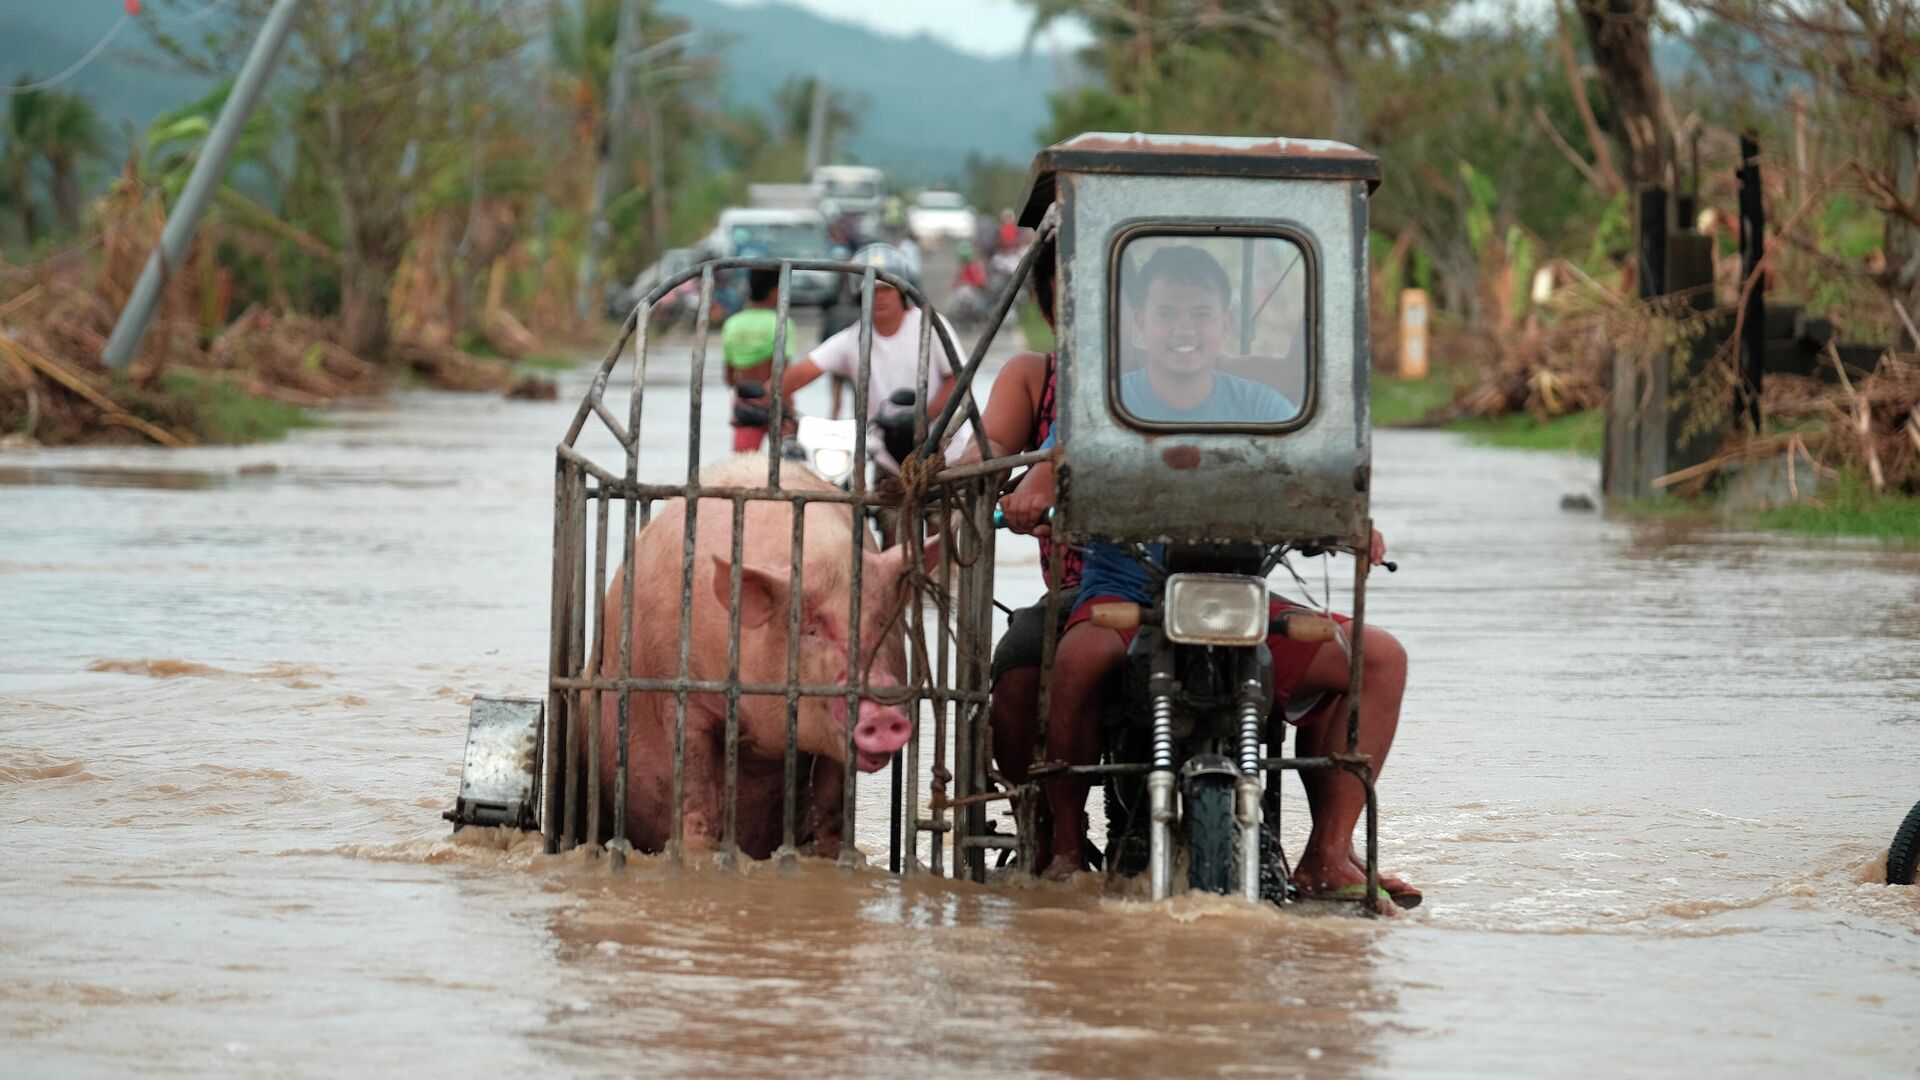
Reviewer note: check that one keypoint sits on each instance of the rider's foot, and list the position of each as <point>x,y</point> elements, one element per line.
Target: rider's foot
<point>1346,879</point>
<point>1404,895</point>
<point>1062,868</point>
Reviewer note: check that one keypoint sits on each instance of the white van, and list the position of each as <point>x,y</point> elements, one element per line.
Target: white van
<point>850,189</point>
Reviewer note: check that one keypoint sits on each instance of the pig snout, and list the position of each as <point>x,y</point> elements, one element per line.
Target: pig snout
<point>882,730</point>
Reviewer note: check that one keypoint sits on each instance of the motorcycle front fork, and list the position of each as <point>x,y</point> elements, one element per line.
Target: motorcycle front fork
<point>1248,792</point>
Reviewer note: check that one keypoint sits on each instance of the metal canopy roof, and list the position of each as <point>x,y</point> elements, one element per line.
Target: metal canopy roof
<point>1194,155</point>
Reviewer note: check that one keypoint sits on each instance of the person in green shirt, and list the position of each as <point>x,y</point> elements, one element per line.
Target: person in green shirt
<point>746,340</point>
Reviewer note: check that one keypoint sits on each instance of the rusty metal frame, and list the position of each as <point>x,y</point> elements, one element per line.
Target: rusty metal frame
<point>947,674</point>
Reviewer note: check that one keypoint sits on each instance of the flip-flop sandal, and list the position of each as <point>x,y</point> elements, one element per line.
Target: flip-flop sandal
<point>1352,893</point>
<point>1406,897</point>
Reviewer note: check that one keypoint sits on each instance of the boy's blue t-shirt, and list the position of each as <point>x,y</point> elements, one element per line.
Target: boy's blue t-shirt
<point>1110,570</point>
<point>1234,401</point>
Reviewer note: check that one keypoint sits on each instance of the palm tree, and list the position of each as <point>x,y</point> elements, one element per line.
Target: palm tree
<point>21,126</point>
<point>793,104</point>
<point>68,131</point>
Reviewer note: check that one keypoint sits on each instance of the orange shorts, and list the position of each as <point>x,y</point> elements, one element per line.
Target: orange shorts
<point>1291,658</point>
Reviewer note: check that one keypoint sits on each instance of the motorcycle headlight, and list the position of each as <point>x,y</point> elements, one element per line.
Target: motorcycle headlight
<point>1216,609</point>
<point>832,462</point>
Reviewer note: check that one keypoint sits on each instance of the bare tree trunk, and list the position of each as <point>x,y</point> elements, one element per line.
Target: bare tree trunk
<point>66,192</point>
<point>1344,107</point>
<point>22,191</point>
<point>1901,239</point>
<point>1619,34</point>
<point>363,307</point>
<point>376,240</point>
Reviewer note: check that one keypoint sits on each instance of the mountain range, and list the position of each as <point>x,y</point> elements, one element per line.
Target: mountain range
<point>924,105</point>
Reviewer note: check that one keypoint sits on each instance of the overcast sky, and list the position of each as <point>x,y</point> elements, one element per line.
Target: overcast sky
<point>987,27</point>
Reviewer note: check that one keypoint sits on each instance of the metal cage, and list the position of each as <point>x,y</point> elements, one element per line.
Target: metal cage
<point>948,625</point>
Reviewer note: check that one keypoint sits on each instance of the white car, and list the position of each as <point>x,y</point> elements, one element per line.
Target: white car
<point>940,215</point>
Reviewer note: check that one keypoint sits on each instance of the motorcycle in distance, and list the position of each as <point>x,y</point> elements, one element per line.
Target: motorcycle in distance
<point>824,445</point>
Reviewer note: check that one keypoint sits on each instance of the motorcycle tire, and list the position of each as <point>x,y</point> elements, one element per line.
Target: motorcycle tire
<point>1905,850</point>
<point>1212,835</point>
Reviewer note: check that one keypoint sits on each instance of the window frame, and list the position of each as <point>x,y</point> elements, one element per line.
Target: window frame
<point>1130,231</point>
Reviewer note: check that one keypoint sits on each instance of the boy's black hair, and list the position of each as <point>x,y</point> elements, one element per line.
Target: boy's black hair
<point>761,284</point>
<point>1186,264</point>
<point>1045,269</point>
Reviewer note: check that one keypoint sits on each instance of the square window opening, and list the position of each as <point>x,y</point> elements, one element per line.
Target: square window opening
<point>1212,330</point>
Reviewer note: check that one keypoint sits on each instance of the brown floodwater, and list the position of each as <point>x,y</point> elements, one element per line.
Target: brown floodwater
<point>1646,776</point>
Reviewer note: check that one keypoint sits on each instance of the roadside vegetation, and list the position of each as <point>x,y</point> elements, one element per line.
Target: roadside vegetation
<point>1515,152</point>
<point>409,205</point>
<point>1403,403</point>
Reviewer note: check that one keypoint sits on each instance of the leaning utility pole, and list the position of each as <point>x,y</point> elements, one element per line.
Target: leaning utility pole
<point>817,124</point>
<point>131,329</point>
<point>618,82</point>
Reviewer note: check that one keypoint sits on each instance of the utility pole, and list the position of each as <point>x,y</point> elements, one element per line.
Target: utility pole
<point>131,329</point>
<point>618,82</point>
<point>817,124</point>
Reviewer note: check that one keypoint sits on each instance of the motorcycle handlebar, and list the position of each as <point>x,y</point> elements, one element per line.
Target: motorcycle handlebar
<point>1000,518</point>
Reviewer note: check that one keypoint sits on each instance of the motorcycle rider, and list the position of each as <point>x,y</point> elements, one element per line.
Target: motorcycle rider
<point>746,341</point>
<point>1181,322</point>
<point>895,357</point>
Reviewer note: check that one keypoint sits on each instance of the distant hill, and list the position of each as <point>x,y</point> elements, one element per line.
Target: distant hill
<point>928,105</point>
<point>129,83</point>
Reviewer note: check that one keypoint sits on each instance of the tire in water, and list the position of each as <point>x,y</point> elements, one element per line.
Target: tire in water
<point>1903,855</point>
<point>1212,835</point>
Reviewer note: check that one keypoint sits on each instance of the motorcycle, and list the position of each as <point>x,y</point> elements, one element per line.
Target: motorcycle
<point>1196,710</point>
<point>823,445</point>
<point>1185,741</point>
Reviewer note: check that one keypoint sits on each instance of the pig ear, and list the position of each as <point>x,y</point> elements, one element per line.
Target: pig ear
<point>900,554</point>
<point>763,594</point>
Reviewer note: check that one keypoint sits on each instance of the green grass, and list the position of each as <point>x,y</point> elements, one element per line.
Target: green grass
<point>1580,432</point>
<point>1398,402</point>
<point>1849,508</point>
<point>224,413</point>
<point>550,363</point>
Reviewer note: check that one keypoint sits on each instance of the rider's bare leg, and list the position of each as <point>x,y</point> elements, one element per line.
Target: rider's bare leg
<point>1015,716</point>
<point>1084,664</point>
<point>1336,798</point>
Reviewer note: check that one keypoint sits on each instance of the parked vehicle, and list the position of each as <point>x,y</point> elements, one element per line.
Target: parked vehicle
<point>620,300</point>
<point>783,197</point>
<point>859,190</point>
<point>780,234</point>
<point>940,216</point>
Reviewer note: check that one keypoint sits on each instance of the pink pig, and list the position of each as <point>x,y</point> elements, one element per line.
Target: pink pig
<point>821,730</point>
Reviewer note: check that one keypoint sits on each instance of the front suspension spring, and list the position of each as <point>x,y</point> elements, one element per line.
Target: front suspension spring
<point>1249,738</point>
<point>1163,733</point>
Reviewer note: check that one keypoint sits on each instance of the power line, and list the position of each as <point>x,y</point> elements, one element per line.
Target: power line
<point>99,47</point>
<point>209,8</point>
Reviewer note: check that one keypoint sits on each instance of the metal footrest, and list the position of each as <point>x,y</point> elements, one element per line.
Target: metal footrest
<point>499,776</point>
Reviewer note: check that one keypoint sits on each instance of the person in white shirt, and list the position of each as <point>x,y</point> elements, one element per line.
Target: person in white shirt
<point>895,361</point>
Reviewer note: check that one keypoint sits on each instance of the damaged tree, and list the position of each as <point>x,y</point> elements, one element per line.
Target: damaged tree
<point>373,96</point>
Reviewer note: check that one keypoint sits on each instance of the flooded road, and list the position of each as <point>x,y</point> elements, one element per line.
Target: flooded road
<point>1646,777</point>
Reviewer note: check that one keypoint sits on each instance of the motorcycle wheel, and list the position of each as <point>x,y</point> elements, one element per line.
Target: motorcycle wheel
<point>1905,850</point>
<point>1212,835</point>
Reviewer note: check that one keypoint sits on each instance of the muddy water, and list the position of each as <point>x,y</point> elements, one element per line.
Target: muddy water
<point>1645,777</point>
